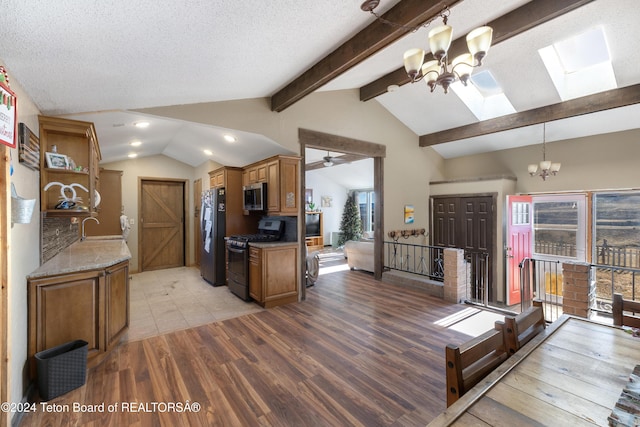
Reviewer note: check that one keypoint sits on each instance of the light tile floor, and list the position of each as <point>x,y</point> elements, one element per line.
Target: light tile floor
<point>168,300</point>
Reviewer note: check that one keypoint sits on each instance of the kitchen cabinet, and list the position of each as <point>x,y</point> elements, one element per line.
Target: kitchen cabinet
<point>216,179</point>
<point>88,305</point>
<point>273,273</point>
<point>116,302</point>
<point>254,173</point>
<point>75,141</point>
<point>283,182</point>
<point>226,176</point>
<point>110,208</point>
<point>230,178</point>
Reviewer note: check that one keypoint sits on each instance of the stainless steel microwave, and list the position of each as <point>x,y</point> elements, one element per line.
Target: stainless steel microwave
<point>255,196</point>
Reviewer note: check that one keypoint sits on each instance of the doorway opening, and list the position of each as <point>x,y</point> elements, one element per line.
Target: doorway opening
<point>328,142</point>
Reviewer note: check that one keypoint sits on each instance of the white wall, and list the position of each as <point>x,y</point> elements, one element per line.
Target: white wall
<point>324,186</point>
<point>24,252</point>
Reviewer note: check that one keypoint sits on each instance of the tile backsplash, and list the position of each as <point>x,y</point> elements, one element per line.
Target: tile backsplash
<point>56,235</point>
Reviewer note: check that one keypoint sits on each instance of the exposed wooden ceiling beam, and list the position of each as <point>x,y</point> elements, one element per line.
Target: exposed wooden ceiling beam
<point>513,23</point>
<point>614,98</point>
<point>329,142</point>
<point>364,44</point>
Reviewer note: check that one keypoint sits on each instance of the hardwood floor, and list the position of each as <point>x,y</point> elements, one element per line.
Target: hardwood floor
<point>356,352</point>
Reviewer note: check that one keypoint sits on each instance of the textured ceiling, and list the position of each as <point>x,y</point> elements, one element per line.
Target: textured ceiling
<point>100,59</point>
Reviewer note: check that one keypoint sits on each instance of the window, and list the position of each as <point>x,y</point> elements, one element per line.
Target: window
<point>520,213</point>
<point>559,228</point>
<point>617,229</point>
<point>366,203</point>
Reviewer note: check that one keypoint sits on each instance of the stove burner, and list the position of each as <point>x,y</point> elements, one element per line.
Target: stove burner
<point>269,231</point>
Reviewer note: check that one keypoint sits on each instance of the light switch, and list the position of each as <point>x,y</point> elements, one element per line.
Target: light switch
<point>132,221</point>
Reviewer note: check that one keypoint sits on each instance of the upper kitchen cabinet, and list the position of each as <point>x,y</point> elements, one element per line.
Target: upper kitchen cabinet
<point>283,182</point>
<point>254,173</point>
<point>226,176</point>
<point>68,167</point>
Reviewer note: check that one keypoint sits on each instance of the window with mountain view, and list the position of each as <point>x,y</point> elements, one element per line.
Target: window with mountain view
<point>559,226</point>
<point>617,229</point>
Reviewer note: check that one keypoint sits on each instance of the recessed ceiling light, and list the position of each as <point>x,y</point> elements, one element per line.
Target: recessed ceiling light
<point>230,138</point>
<point>141,124</point>
<point>136,143</point>
<point>392,88</point>
<point>208,152</point>
<point>132,155</point>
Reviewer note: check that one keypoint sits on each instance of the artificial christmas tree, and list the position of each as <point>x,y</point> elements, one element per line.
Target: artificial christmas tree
<point>351,225</point>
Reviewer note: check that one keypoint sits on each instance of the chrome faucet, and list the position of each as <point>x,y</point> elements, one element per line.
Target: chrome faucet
<point>85,220</point>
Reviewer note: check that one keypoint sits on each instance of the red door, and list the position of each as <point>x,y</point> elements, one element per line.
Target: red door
<point>519,232</point>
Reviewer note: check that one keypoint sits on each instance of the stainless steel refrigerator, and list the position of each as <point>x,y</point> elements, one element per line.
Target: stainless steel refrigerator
<point>212,230</point>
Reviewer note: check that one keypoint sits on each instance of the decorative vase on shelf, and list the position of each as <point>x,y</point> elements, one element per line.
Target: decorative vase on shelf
<point>311,207</point>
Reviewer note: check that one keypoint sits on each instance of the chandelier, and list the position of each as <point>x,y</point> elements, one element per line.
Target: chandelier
<point>547,168</point>
<point>438,72</point>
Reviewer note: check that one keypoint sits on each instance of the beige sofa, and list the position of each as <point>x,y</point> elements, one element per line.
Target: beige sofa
<point>359,254</point>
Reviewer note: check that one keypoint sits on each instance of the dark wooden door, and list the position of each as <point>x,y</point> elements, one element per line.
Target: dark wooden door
<point>162,210</point>
<point>445,222</point>
<point>467,222</point>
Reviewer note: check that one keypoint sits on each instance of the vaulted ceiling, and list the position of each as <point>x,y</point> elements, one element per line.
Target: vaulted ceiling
<point>99,61</point>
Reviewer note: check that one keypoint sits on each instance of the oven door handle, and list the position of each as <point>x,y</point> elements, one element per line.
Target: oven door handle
<point>236,250</point>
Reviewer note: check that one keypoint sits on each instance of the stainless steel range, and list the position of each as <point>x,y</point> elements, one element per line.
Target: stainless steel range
<point>269,230</point>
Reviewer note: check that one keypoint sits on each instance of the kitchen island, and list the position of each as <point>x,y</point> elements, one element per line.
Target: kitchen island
<point>80,294</point>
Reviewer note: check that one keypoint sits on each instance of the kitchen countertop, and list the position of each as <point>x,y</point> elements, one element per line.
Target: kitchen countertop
<point>272,244</point>
<point>91,254</point>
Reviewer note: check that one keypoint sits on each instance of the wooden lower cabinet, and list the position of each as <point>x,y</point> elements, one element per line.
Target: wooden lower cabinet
<point>273,274</point>
<point>117,302</point>
<point>92,306</point>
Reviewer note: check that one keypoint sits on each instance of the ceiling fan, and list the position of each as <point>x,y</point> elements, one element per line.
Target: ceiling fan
<point>330,160</point>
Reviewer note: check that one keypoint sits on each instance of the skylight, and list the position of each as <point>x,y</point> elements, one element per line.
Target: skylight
<point>580,65</point>
<point>483,96</point>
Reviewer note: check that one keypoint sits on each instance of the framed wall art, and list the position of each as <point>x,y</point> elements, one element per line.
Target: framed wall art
<point>28,147</point>
<point>408,214</point>
<point>57,161</point>
<point>8,112</point>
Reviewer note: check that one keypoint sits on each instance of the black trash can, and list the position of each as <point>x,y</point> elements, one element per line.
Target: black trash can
<point>62,368</point>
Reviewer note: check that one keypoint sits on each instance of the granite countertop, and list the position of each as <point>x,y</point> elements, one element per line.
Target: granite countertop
<point>272,244</point>
<point>91,254</point>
